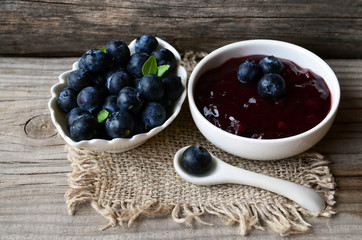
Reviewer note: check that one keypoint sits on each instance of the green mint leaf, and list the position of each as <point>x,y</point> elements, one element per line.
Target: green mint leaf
<point>103,49</point>
<point>150,66</point>
<point>162,69</point>
<point>102,116</point>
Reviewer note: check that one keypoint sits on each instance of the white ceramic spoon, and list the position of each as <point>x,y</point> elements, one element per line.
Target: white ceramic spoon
<point>221,173</point>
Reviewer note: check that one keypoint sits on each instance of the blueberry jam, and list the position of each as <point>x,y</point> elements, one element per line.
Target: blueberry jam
<point>237,107</point>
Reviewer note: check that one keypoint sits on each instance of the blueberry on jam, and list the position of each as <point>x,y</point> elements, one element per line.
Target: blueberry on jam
<point>271,86</point>
<point>271,64</point>
<point>249,71</point>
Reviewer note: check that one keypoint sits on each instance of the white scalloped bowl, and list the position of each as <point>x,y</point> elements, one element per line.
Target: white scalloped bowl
<point>264,149</point>
<point>117,144</point>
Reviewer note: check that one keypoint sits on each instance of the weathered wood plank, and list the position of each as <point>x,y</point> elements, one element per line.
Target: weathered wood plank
<point>34,168</point>
<point>68,28</point>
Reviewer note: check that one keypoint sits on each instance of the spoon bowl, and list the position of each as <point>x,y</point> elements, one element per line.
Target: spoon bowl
<point>223,173</point>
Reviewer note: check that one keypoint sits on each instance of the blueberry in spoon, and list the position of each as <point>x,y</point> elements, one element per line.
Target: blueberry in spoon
<point>219,172</point>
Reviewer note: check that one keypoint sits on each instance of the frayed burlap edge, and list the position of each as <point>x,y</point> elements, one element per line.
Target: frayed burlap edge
<point>284,219</point>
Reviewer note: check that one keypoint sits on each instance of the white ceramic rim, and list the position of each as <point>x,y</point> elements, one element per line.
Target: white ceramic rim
<point>116,144</point>
<point>335,95</point>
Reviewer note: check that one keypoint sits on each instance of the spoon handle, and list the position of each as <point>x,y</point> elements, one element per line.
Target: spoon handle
<point>304,196</point>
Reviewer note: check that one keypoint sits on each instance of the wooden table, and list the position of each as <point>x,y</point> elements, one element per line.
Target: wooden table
<point>34,166</point>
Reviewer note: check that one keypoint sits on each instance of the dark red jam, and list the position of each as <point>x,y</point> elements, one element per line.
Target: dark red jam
<point>237,107</point>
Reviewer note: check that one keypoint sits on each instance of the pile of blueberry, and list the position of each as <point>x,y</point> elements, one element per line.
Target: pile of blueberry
<point>267,74</point>
<point>114,94</point>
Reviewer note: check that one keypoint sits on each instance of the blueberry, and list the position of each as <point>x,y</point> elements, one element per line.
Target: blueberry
<point>79,79</point>
<point>139,127</point>
<point>118,52</point>
<point>271,86</point>
<point>151,87</point>
<point>271,64</point>
<point>103,91</point>
<point>100,79</point>
<point>196,160</point>
<point>135,82</point>
<point>166,103</point>
<point>110,104</point>
<point>249,71</point>
<point>173,86</point>
<point>67,100</point>
<point>130,100</point>
<point>117,81</point>
<point>74,114</point>
<point>135,64</point>
<point>153,115</point>
<point>84,127</point>
<point>90,98</point>
<point>119,124</point>
<point>146,43</point>
<point>165,57</point>
<point>94,60</point>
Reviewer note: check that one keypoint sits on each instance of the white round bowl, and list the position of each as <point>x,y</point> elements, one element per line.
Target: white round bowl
<point>264,149</point>
<point>116,144</point>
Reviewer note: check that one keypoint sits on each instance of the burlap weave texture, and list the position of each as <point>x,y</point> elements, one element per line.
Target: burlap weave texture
<point>142,182</point>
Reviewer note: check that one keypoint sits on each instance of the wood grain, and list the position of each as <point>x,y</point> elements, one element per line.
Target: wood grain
<point>34,168</point>
<point>332,29</point>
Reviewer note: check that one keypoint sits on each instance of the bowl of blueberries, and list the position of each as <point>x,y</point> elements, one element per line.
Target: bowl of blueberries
<point>116,98</point>
<point>263,99</point>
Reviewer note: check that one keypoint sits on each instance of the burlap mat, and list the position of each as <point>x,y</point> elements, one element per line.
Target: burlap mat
<point>142,182</point>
